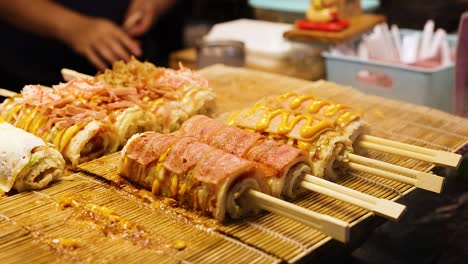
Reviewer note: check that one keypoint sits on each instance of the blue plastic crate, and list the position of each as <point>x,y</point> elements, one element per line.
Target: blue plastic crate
<point>300,6</point>
<point>430,87</point>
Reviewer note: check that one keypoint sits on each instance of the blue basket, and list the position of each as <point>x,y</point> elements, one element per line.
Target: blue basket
<point>430,87</point>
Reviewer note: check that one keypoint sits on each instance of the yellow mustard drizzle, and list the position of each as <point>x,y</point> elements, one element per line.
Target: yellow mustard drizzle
<point>286,96</point>
<point>160,171</point>
<point>308,130</point>
<point>304,145</point>
<point>22,117</point>
<point>38,122</point>
<point>31,116</point>
<point>344,119</point>
<point>174,184</point>
<point>299,99</point>
<point>12,113</point>
<point>333,109</point>
<point>154,104</point>
<point>316,105</point>
<point>155,186</point>
<point>57,137</point>
<point>232,119</point>
<point>70,132</point>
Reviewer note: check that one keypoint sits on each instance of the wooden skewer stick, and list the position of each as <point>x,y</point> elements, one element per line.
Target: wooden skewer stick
<point>7,93</point>
<point>69,75</point>
<point>424,180</point>
<point>442,158</point>
<point>382,207</point>
<point>430,184</point>
<point>330,226</point>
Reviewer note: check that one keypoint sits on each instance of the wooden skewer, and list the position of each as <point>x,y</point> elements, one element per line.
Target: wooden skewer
<point>330,226</point>
<point>441,158</point>
<point>382,207</point>
<point>7,93</point>
<point>431,184</point>
<point>69,75</point>
<point>424,180</point>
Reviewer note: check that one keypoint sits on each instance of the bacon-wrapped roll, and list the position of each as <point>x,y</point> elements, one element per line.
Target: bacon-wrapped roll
<point>80,134</point>
<point>122,105</point>
<point>286,166</point>
<point>347,121</point>
<point>26,162</point>
<point>173,95</point>
<point>196,175</point>
<point>302,131</point>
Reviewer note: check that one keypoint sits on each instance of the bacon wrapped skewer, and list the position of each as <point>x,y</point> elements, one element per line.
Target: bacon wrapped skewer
<point>286,165</point>
<point>196,175</point>
<point>303,131</point>
<point>346,121</point>
<point>79,133</point>
<point>26,161</point>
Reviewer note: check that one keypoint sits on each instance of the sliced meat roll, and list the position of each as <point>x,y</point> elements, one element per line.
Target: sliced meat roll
<point>283,165</point>
<point>303,131</point>
<point>347,121</point>
<point>79,133</point>
<point>196,175</point>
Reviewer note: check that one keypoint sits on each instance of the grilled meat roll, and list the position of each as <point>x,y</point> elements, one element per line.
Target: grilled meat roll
<point>172,95</point>
<point>196,175</point>
<point>347,121</point>
<point>303,131</point>
<point>286,165</point>
<point>122,105</point>
<point>79,133</point>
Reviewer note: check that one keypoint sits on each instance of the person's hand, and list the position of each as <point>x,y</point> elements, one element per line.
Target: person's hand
<point>141,15</point>
<point>101,41</point>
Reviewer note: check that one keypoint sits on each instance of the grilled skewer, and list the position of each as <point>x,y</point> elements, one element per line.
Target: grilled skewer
<point>207,179</point>
<point>342,116</point>
<point>307,132</point>
<point>291,165</point>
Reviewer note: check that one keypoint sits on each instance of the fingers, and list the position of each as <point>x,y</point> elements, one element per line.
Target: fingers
<point>103,42</point>
<point>142,25</point>
<point>127,42</point>
<point>113,46</point>
<point>92,56</point>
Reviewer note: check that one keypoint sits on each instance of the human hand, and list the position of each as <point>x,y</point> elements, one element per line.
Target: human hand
<point>101,41</point>
<point>141,15</point>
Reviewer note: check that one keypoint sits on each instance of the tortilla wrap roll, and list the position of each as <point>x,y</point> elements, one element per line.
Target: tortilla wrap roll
<point>26,161</point>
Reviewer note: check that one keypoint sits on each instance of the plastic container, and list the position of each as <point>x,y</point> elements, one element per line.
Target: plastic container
<point>300,6</point>
<point>267,50</point>
<point>430,87</point>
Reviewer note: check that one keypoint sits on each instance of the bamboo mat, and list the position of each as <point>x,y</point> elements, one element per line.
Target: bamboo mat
<point>30,222</point>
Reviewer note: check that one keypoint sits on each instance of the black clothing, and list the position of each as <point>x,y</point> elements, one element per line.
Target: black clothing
<point>26,58</point>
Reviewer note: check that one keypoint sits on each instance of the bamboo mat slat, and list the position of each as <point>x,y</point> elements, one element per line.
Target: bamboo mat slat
<point>30,220</point>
